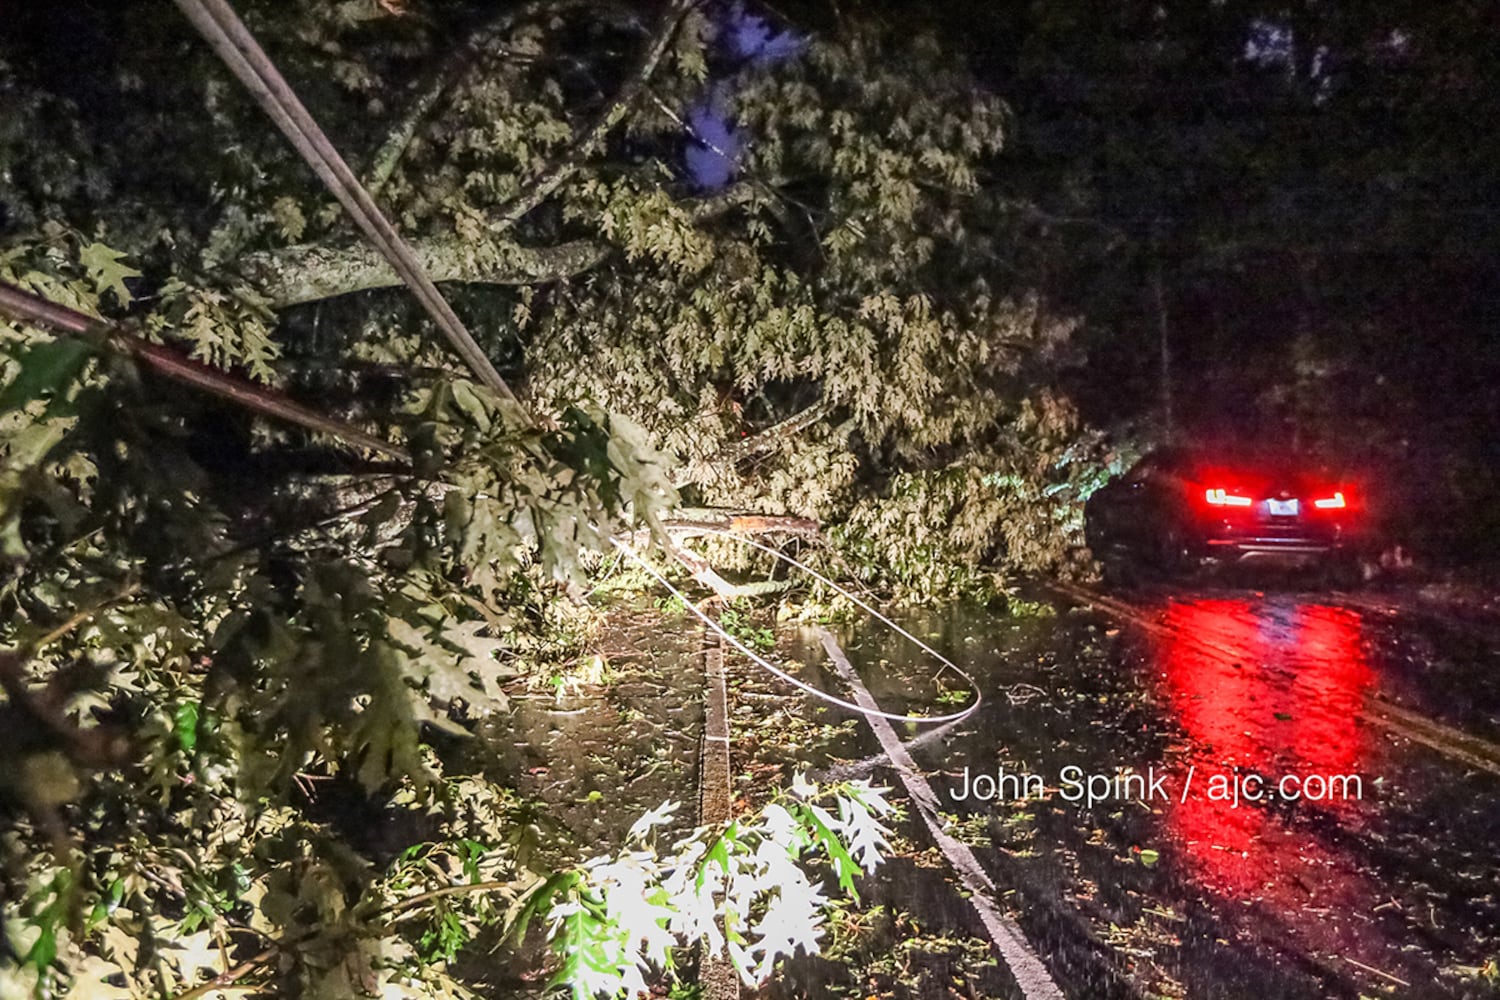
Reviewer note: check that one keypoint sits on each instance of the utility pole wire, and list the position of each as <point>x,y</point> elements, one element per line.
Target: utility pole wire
<point>174,365</point>
<point>221,27</point>
<point>1164,345</point>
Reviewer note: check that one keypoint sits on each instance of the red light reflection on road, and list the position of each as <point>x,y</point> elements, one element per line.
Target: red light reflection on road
<point>1270,689</point>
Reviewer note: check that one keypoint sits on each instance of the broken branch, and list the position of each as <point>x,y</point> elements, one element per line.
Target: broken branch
<point>565,166</point>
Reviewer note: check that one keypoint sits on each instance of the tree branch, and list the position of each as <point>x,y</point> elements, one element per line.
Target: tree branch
<point>767,440</point>
<point>178,367</point>
<point>565,166</point>
<point>449,74</point>
<point>385,160</point>
<point>308,272</point>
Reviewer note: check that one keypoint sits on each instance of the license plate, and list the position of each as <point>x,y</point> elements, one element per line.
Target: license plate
<point>1282,508</point>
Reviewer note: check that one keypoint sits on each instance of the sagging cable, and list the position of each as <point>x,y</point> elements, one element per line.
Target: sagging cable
<point>776,671</point>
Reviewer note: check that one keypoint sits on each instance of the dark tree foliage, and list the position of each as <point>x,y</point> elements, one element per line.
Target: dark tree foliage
<point>1313,187</point>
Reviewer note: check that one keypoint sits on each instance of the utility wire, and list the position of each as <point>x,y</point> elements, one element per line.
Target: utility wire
<point>221,27</point>
<point>172,364</point>
<point>776,671</point>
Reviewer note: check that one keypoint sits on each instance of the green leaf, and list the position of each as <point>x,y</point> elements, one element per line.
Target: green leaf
<point>44,950</point>
<point>540,900</point>
<point>1150,857</point>
<point>106,271</point>
<point>844,865</point>
<point>46,367</point>
<point>472,852</point>
<point>107,904</point>
<point>185,725</point>
<point>717,854</point>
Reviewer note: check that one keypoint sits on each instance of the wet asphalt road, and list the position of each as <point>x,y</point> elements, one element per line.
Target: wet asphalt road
<point>1296,794</point>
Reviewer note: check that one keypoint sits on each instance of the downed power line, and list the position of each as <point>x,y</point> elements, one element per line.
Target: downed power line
<point>221,27</point>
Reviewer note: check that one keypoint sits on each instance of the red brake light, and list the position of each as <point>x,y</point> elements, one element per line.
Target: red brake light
<point>1334,502</point>
<point>1223,498</point>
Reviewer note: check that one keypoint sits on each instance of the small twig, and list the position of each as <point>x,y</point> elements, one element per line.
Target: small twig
<point>412,902</point>
<point>81,616</point>
<point>1020,693</point>
<point>175,889</point>
<point>1374,971</point>
<point>228,978</point>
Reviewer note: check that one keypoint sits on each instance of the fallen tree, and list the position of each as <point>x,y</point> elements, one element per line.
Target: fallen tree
<point>806,350</point>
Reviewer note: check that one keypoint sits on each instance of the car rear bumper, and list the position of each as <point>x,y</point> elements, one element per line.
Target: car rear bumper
<point>1299,542</point>
<point>1270,550</point>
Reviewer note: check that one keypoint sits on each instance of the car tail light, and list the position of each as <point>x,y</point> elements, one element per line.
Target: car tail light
<point>1223,498</point>
<point>1335,502</point>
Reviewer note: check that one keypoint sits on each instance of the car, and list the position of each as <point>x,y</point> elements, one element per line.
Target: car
<point>1181,508</point>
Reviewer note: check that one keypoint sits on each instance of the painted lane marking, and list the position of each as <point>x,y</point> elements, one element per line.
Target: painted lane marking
<point>1031,976</point>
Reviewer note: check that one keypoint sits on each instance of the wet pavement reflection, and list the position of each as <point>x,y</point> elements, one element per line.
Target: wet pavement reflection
<point>1300,840</point>
<point>1275,709</point>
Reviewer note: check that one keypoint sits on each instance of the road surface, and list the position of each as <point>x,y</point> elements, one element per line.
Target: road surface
<point>1210,793</point>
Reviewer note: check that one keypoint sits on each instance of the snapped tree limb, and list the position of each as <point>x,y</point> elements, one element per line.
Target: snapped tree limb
<point>694,522</point>
<point>308,272</point>
<point>237,48</point>
<point>767,440</point>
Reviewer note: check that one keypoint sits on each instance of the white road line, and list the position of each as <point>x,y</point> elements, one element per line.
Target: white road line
<point>1031,975</point>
